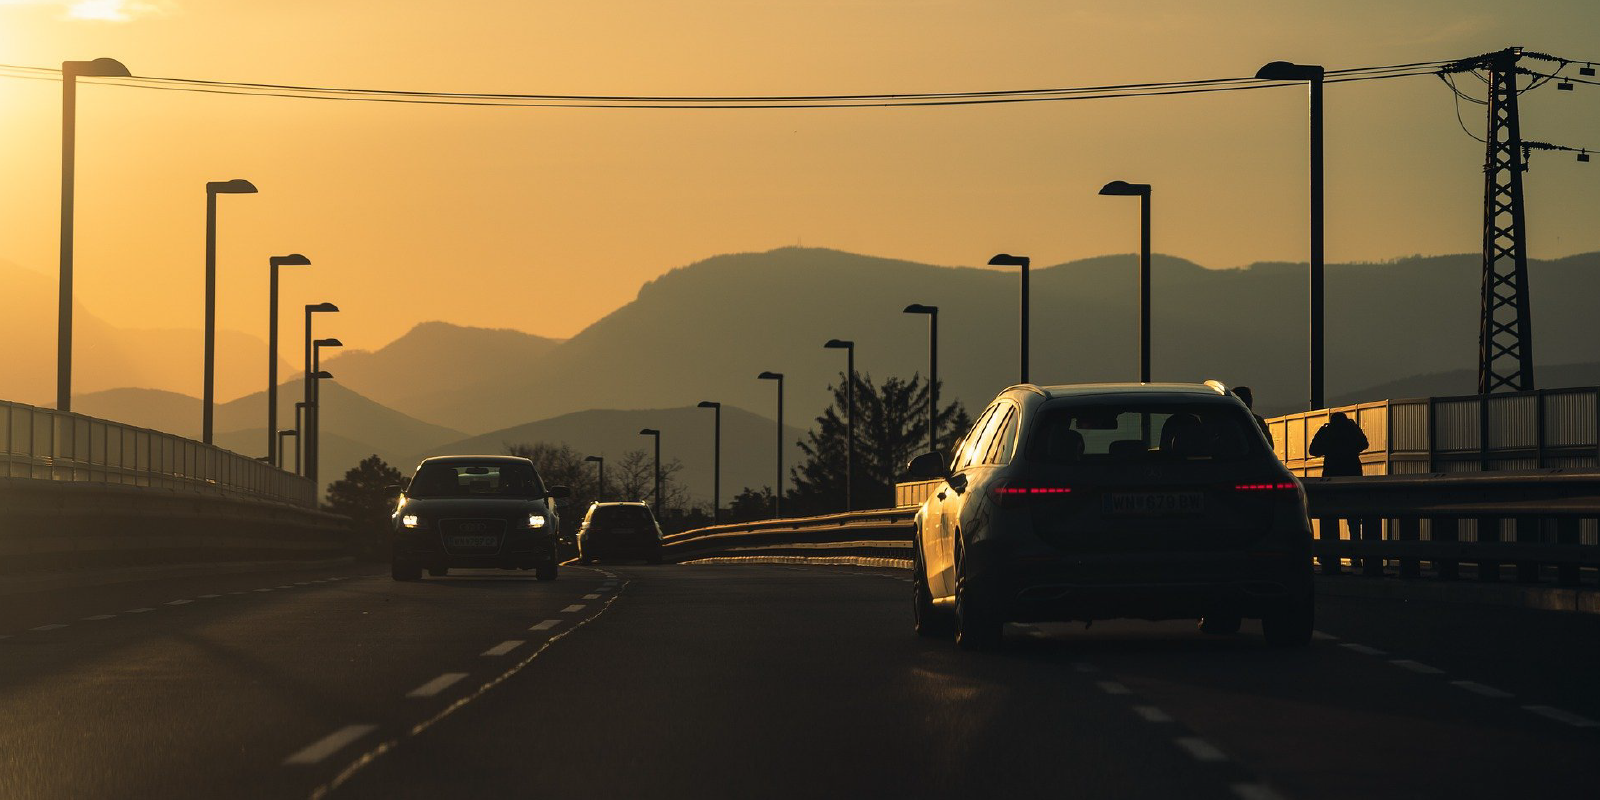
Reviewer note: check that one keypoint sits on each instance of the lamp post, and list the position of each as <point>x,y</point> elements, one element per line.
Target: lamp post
<point>310,387</point>
<point>314,450</point>
<point>313,418</point>
<point>657,494</point>
<point>291,260</point>
<point>299,425</point>
<point>716,460</point>
<point>777,491</point>
<point>284,434</point>
<point>1008,260</point>
<point>600,476</point>
<point>70,72</point>
<point>207,401</point>
<point>1312,75</point>
<point>849,415</point>
<point>933,370</point>
<point>1142,191</point>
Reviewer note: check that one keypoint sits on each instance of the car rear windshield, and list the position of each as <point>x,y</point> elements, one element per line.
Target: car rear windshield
<point>494,479</point>
<point>1109,433</point>
<point>623,515</point>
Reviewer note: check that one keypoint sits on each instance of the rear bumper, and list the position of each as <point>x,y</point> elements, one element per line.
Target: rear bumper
<point>596,547</point>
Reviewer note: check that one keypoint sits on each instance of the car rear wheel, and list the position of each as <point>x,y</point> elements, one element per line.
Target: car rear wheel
<point>926,619</point>
<point>1289,624</point>
<point>402,571</point>
<point>546,571</point>
<point>978,627</point>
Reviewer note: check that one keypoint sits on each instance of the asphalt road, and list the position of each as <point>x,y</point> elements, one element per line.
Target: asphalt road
<point>770,681</point>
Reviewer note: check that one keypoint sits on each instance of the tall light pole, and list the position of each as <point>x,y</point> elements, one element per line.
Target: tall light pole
<point>1312,75</point>
<point>716,460</point>
<point>1008,260</point>
<point>1142,191</point>
<point>600,476</point>
<point>299,425</point>
<point>282,435</point>
<point>310,463</point>
<point>849,415</point>
<point>313,418</point>
<point>314,423</point>
<point>777,491</point>
<point>70,72</point>
<point>933,370</point>
<point>207,401</point>
<point>657,494</point>
<point>291,260</point>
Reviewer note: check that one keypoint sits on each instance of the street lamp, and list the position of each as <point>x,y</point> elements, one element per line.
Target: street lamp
<point>777,491</point>
<point>70,72</point>
<point>315,451</point>
<point>1141,191</point>
<point>716,460</point>
<point>299,425</point>
<point>1312,75</point>
<point>849,415</point>
<point>933,370</point>
<point>657,500</point>
<point>311,393</point>
<point>283,434</point>
<point>1008,260</point>
<point>600,476</point>
<point>214,188</point>
<point>291,260</point>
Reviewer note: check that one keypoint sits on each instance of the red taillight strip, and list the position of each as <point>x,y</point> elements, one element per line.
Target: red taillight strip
<point>1264,487</point>
<point>1033,490</point>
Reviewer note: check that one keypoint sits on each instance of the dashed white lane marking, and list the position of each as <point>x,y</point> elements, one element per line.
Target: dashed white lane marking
<point>1080,666</point>
<point>1254,791</point>
<point>1319,635</point>
<point>178,602</point>
<point>1200,749</point>
<point>330,744</point>
<point>1112,687</point>
<point>504,647</point>
<point>51,627</point>
<point>1478,688</point>
<point>1559,715</point>
<point>1152,714</point>
<point>572,608</point>
<point>98,617</point>
<point>262,590</point>
<point>302,583</point>
<point>546,625</point>
<point>437,685</point>
<point>591,597</point>
<point>1416,666</point>
<point>1363,649</point>
<point>137,610</point>
<point>209,596</point>
<point>286,586</point>
<point>238,592</point>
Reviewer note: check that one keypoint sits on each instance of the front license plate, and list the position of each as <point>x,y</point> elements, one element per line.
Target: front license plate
<point>1154,504</point>
<point>474,541</point>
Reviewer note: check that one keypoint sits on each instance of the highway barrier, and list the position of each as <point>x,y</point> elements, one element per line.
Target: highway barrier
<point>880,537</point>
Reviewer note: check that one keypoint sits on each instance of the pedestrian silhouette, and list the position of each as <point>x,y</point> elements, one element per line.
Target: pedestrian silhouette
<point>1249,398</point>
<point>1340,443</point>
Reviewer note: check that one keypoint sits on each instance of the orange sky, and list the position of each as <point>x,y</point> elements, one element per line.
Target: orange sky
<point>545,219</point>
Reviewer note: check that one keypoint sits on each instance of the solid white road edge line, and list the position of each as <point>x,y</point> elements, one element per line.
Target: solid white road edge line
<point>330,744</point>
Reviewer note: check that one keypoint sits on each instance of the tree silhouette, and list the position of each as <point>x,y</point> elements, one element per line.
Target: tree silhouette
<point>891,427</point>
<point>364,495</point>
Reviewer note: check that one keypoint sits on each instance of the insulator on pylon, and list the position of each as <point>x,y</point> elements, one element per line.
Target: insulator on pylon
<point>1583,155</point>
<point>1565,86</point>
<point>1586,71</point>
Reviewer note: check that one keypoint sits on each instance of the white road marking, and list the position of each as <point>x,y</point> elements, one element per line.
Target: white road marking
<point>437,685</point>
<point>1556,714</point>
<point>178,602</point>
<point>263,590</point>
<point>51,627</point>
<point>1085,667</point>
<point>1152,714</point>
<point>1326,637</point>
<point>1112,687</point>
<point>98,617</point>
<point>1255,791</point>
<point>330,744</point>
<point>1478,688</point>
<point>591,597</point>
<point>1416,666</point>
<point>504,647</point>
<point>137,610</point>
<point>209,596</point>
<point>1363,649</point>
<point>238,592</point>
<point>1200,749</point>
<point>286,586</point>
<point>546,625</point>
<point>302,583</point>
<point>572,608</point>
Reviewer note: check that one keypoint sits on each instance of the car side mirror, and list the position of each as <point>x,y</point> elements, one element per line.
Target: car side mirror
<point>395,488</point>
<point>929,466</point>
<point>558,492</point>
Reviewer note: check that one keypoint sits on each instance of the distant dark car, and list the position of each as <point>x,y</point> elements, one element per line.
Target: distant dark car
<point>476,511</point>
<point>619,531</point>
<point>1151,501</point>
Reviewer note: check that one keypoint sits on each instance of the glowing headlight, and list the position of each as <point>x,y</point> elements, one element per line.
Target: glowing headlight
<point>411,521</point>
<point>536,520</point>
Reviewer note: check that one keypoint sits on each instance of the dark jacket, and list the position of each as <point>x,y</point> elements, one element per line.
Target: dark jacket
<point>1340,445</point>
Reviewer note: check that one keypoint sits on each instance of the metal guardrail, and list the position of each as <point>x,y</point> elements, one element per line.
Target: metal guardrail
<point>1546,523</point>
<point>45,444</point>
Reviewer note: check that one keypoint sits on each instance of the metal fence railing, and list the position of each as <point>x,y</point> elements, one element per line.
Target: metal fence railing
<point>45,444</point>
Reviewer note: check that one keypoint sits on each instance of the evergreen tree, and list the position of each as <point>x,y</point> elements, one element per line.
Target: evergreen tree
<point>364,495</point>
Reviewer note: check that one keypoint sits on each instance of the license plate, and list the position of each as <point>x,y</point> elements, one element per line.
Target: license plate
<point>474,541</point>
<point>1139,504</point>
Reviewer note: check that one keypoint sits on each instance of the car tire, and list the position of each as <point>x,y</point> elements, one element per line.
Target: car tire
<point>1290,624</point>
<point>546,571</point>
<point>403,571</point>
<point>926,618</point>
<point>978,627</point>
<point>438,572</point>
<point>1220,624</point>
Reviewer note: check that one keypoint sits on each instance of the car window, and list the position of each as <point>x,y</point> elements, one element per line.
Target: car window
<point>623,515</point>
<point>999,452</point>
<point>977,444</point>
<point>484,479</point>
<point>1134,431</point>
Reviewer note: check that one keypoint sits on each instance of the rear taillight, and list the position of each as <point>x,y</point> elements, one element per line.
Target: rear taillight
<point>1014,494</point>
<point>1266,487</point>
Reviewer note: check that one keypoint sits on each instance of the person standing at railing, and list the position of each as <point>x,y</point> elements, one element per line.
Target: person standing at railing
<point>1340,443</point>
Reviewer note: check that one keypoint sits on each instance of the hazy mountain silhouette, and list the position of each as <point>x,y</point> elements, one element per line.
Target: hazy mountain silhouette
<point>748,439</point>
<point>419,373</point>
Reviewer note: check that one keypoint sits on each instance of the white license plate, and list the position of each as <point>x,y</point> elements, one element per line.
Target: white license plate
<point>474,541</point>
<point>1138,504</point>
